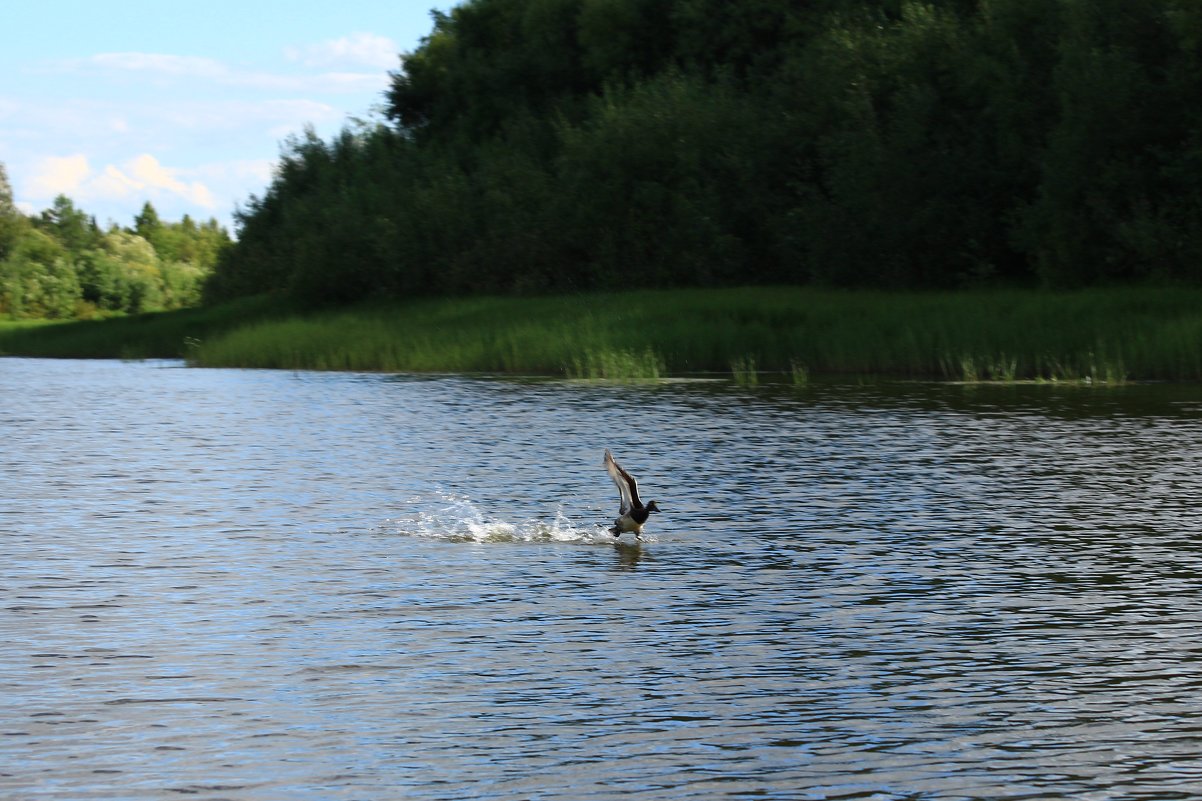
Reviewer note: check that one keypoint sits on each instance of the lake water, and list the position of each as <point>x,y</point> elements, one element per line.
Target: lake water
<point>261,585</point>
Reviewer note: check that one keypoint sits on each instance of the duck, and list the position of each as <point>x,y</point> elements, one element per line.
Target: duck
<point>632,514</point>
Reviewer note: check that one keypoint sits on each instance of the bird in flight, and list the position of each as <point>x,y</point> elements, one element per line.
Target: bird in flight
<point>632,514</point>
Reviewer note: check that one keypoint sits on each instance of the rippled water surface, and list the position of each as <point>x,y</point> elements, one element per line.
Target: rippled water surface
<point>266,585</point>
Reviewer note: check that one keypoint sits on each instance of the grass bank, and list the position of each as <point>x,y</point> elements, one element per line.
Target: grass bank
<point>159,335</point>
<point>1100,335</point>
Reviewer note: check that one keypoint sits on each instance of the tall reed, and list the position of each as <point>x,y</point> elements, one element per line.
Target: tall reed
<point>751,334</point>
<point>744,372</point>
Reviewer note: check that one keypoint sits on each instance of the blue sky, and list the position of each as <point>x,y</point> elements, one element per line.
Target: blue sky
<point>184,105</point>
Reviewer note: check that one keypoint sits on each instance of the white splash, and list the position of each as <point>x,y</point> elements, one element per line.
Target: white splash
<point>459,520</point>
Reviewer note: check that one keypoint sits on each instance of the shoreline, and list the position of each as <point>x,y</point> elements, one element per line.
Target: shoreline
<point>1100,336</point>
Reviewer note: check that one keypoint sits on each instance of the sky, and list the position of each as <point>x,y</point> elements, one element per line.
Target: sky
<point>183,105</point>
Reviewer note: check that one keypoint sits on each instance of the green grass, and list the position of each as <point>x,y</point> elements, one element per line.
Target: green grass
<point>750,334</point>
<point>744,372</point>
<point>800,374</point>
<point>622,365</point>
<point>159,335</point>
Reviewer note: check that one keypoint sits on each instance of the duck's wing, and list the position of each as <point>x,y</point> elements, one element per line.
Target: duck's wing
<point>628,488</point>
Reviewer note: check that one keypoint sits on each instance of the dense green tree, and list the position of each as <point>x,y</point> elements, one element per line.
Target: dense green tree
<point>185,241</point>
<point>12,222</point>
<point>140,269</point>
<point>74,230</point>
<point>624,41</point>
<point>1113,202</point>
<point>59,264</point>
<point>7,206</point>
<point>147,223</point>
<point>103,281</point>
<point>38,279</point>
<point>538,145</point>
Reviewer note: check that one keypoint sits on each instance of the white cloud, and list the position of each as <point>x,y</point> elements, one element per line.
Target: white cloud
<point>113,184</point>
<point>115,128</point>
<point>270,121</point>
<point>208,129</point>
<point>59,175</point>
<point>162,68</point>
<point>146,171</point>
<point>358,49</point>
<point>162,64</point>
<point>260,170</point>
<point>142,176</point>
<point>202,196</point>
<point>348,82</point>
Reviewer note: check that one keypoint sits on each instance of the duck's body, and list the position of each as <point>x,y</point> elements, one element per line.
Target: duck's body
<point>632,514</point>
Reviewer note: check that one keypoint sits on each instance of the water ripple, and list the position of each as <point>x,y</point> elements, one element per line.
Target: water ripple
<point>255,585</point>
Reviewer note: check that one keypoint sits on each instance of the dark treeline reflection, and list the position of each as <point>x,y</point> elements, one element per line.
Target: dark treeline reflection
<point>562,145</point>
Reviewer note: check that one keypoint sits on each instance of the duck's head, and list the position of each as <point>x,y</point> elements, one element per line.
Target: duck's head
<point>652,507</point>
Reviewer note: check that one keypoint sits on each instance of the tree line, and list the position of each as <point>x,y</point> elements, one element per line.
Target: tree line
<point>563,145</point>
<point>60,264</point>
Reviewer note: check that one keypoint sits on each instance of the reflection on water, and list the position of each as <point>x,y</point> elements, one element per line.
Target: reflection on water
<point>258,585</point>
